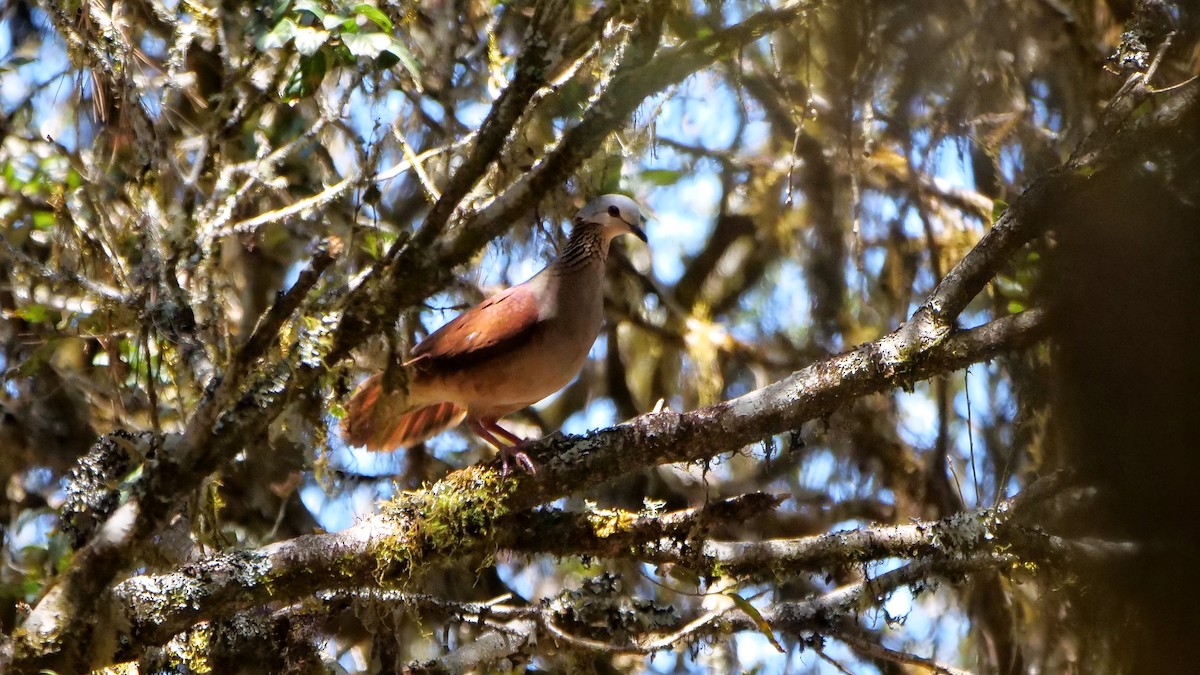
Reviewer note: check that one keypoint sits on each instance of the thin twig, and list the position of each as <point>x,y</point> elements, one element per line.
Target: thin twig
<point>329,194</point>
<point>878,651</point>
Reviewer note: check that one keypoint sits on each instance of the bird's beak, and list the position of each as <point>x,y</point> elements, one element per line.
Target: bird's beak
<point>639,232</point>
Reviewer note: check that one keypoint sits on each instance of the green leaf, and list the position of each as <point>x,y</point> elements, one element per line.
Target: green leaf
<point>752,611</point>
<point>613,170</point>
<point>32,588</point>
<point>59,549</point>
<point>34,362</point>
<point>386,59</point>
<point>37,314</point>
<point>309,40</point>
<point>372,12</point>
<point>307,77</point>
<point>43,220</point>
<point>370,245</point>
<point>312,7</point>
<point>279,8</point>
<point>367,44</point>
<point>332,21</point>
<point>663,176</point>
<point>999,206</point>
<point>342,55</point>
<point>279,36</point>
<point>398,51</point>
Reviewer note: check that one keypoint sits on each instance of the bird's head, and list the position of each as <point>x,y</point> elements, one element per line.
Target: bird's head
<point>615,215</point>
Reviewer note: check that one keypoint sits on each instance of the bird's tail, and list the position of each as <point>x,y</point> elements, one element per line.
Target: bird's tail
<point>388,420</point>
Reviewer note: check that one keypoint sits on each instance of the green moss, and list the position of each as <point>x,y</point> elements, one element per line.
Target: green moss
<point>189,651</point>
<point>607,522</point>
<point>30,644</point>
<point>458,509</point>
<point>195,650</point>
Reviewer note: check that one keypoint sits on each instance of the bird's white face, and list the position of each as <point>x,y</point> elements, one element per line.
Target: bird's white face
<point>617,214</point>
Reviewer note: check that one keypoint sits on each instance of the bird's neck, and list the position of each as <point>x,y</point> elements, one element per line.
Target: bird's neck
<point>585,247</point>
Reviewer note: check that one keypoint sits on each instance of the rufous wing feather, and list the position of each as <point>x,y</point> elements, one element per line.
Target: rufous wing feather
<point>358,426</point>
<point>382,420</point>
<point>422,424</point>
<point>483,332</point>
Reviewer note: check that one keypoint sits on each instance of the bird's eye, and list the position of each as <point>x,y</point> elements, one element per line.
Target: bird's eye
<point>614,212</point>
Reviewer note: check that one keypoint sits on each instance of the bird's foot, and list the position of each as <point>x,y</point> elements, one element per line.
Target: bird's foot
<point>516,454</point>
<point>511,448</point>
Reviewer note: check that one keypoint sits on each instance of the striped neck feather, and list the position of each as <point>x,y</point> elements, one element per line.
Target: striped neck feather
<point>585,245</point>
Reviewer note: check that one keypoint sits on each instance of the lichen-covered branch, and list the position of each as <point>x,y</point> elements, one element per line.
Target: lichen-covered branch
<point>530,75</point>
<point>623,95</point>
<point>680,538</point>
<point>470,509</point>
<point>832,614</point>
<point>808,394</point>
<point>64,609</point>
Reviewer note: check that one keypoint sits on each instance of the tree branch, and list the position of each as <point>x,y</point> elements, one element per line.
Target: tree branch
<point>833,614</point>
<point>530,75</point>
<point>874,650</point>
<point>470,508</point>
<point>681,537</point>
<point>628,88</point>
<point>811,393</point>
<point>64,610</point>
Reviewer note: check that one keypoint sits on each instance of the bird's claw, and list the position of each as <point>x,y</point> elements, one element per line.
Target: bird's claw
<point>517,455</point>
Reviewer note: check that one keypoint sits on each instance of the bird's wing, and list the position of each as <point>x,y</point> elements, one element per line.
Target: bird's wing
<point>382,420</point>
<point>493,327</point>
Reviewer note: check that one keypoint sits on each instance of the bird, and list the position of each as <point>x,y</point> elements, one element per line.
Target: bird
<point>509,351</point>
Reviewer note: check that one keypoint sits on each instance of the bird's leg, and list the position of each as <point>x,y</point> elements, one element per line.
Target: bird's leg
<point>514,451</point>
<point>487,429</point>
<point>508,435</point>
